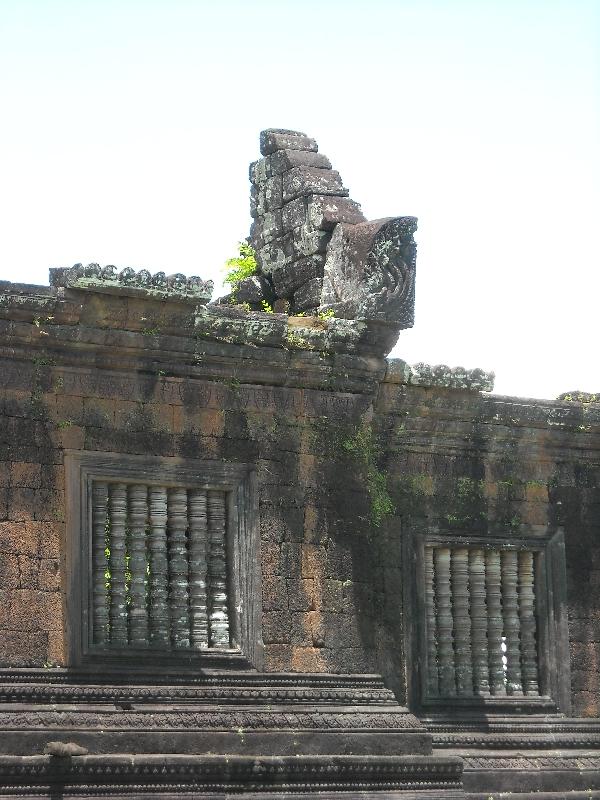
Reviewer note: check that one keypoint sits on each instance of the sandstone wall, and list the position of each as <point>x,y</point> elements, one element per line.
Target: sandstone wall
<point>85,370</point>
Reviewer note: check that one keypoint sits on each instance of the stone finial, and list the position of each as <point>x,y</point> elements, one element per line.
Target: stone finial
<point>314,247</point>
<point>106,279</point>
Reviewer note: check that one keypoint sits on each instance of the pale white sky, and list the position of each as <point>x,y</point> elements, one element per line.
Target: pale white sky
<point>127,127</point>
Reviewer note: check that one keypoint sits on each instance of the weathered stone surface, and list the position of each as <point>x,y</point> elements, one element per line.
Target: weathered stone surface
<point>302,181</point>
<point>289,277</point>
<point>249,290</point>
<point>274,139</point>
<point>324,212</point>
<point>284,160</point>
<point>294,214</point>
<point>308,295</point>
<point>370,271</point>
<point>308,241</point>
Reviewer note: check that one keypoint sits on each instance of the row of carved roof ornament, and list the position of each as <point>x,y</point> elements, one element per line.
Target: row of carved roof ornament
<point>441,375</point>
<point>142,282</point>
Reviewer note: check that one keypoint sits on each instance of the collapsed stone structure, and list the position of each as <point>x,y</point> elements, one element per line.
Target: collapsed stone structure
<point>248,553</point>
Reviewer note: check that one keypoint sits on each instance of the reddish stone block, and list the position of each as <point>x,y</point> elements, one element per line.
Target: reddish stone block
<point>24,474</point>
<point>23,648</point>
<point>308,659</point>
<point>29,567</point>
<point>278,657</point>
<point>9,570</point>
<point>49,578</point>
<point>301,595</point>
<point>313,559</point>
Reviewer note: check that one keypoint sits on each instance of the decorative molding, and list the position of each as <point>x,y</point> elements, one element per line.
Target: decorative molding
<point>247,774</point>
<point>218,720</point>
<point>128,282</point>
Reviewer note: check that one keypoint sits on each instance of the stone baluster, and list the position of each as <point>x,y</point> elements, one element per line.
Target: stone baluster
<point>479,622</point>
<point>432,660</point>
<point>512,623</point>
<point>217,571</point>
<point>198,538</point>
<point>445,624</point>
<point>178,567</point>
<point>529,669</point>
<point>495,622</point>
<point>117,504</point>
<point>137,496</point>
<point>462,621</point>
<point>159,568</point>
<point>99,563</point>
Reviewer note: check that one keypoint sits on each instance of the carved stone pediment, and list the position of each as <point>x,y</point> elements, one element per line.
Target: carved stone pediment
<point>370,271</point>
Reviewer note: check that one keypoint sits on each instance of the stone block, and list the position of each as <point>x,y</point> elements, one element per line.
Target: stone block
<point>25,475</point>
<point>4,473</point>
<point>308,295</point>
<point>29,568</point>
<point>284,160</point>
<point>69,409</point>
<point>291,559</point>
<point>313,557</point>
<point>274,139</point>
<point>301,595</point>
<point>315,524</point>
<point>23,648</point>
<point>249,290</point>
<point>276,627</point>
<point>274,593</point>
<point>9,570</point>
<point>276,254</point>
<point>19,537</point>
<point>325,212</point>
<point>278,657</point>
<point>98,413</point>
<point>259,172</point>
<point>288,277</point>
<point>294,214</point>
<point>301,631</point>
<point>308,241</point>
<point>302,181</point>
<point>266,228</point>
<point>271,195</point>
<point>309,659</point>
<point>49,575</point>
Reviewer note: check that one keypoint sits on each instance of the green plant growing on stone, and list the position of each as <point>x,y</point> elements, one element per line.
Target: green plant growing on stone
<point>266,307</point>
<point>364,448</point>
<point>241,266</point>
<point>329,314</point>
<point>296,342</point>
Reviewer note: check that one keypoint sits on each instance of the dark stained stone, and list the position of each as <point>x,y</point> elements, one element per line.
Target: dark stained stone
<point>274,139</point>
<point>302,181</point>
<point>308,295</point>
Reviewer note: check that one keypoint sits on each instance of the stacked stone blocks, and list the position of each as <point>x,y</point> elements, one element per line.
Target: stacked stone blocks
<point>296,201</point>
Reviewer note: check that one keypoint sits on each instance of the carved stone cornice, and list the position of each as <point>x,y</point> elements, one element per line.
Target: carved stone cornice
<point>176,775</point>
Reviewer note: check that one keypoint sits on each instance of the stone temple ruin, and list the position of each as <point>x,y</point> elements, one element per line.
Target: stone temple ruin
<point>245,553</point>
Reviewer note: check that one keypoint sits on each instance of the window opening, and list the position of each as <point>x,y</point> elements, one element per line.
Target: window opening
<point>159,567</point>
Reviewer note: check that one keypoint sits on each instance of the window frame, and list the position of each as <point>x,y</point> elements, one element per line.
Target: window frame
<point>551,617</point>
<point>243,558</point>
